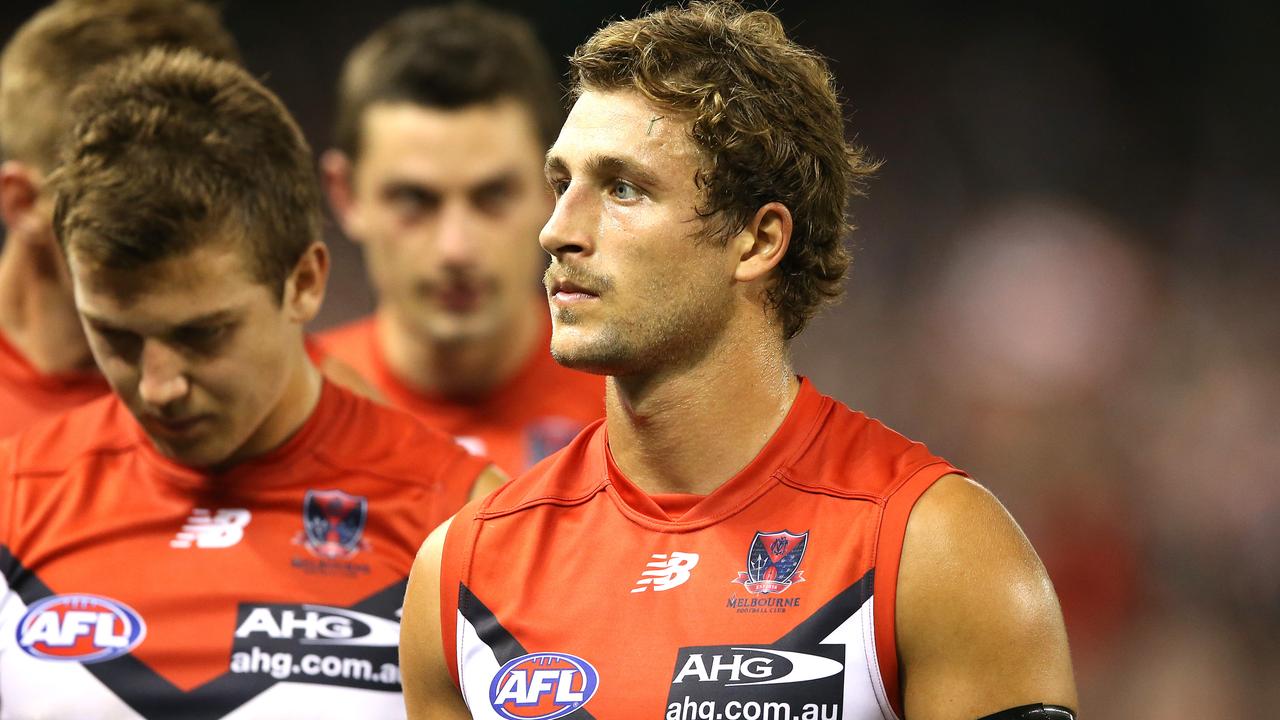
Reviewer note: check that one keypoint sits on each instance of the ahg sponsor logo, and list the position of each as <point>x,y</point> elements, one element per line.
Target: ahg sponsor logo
<point>543,686</point>
<point>80,628</point>
<point>788,678</point>
<point>317,625</point>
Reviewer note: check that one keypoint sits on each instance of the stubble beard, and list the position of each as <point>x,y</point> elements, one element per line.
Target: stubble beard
<point>664,339</point>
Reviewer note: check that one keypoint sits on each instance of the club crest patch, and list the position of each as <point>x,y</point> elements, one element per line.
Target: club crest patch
<point>773,562</point>
<point>547,435</point>
<point>333,523</point>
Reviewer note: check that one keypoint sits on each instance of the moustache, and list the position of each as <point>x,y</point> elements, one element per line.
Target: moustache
<point>575,275</point>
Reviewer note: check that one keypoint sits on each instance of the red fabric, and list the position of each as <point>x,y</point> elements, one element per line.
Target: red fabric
<point>556,555</point>
<point>87,505</point>
<point>534,414</point>
<point>28,395</point>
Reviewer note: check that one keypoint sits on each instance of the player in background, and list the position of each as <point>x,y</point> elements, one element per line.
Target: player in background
<point>728,542</point>
<point>444,115</point>
<point>228,534</point>
<point>45,364</point>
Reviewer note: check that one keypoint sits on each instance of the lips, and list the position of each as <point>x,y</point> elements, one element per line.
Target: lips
<point>173,427</point>
<point>561,286</point>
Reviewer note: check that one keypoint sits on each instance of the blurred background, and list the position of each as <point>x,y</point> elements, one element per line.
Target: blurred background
<point>1066,280</point>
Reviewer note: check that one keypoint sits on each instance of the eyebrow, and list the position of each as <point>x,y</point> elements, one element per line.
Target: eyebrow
<point>606,166</point>
<point>214,318</point>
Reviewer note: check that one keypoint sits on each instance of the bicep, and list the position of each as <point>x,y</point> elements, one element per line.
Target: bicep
<point>429,691</point>
<point>978,623</point>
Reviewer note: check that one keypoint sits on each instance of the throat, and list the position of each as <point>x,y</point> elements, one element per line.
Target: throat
<point>688,436</point>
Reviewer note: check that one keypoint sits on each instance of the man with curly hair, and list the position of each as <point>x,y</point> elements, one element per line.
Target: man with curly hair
<point>728,542</point>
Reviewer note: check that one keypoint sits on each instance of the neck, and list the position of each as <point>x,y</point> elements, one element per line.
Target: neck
<point>688,430</point>
<point>37,310</point>
<point>297,402</point>
<point>467,369</point>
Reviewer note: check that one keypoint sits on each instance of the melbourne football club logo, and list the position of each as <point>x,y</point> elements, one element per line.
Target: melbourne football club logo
<point>773,562</point>
<point>80,628</point>
<point>547,435</point>
<point>333,523</point>
<point>542,686</point>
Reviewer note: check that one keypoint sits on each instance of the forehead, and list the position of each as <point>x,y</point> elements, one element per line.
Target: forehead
<point>623,123</point>
<point>208,279</point>
<point>470,142</point>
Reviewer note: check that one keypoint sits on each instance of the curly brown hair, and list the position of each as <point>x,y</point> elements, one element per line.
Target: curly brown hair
<point>174,150</point>
<point>766,117</point>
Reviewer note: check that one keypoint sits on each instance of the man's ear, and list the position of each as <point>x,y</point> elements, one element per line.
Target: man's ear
<point>305,286</point>
<point>336,172</point>
<point>20,183</point>
<point>762,243</point>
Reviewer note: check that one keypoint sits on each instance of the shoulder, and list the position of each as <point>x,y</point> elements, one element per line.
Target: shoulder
<point>354,330</point>
<point>567,477</point>
<point>52,446</point>
<point>850,453</point>
<point>381,440</point>
<point>978,620</point>
<point>351,342</point>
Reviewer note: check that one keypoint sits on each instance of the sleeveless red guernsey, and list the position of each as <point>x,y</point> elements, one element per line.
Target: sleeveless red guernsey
<point>570,592</point>
<point>28,395</point>
<point>132,587</point>
<point>534,414</point>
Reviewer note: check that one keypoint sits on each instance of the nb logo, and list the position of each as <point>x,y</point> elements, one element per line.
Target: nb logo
<point>220,530</point>
<point>666,571</point>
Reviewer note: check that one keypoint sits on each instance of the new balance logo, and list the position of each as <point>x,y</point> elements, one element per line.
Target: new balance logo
<point>220,530</point>
<point>666,571</point>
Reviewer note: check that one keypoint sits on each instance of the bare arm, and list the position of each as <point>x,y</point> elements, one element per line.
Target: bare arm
<point>489,479</point>
<point>978,623</point>
<point>429,692</point>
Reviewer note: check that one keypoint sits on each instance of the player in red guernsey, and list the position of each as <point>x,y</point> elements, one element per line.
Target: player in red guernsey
<point>45,364</point>
<point>228,535</point>
<point>728,543</point>
<point>443,118</point>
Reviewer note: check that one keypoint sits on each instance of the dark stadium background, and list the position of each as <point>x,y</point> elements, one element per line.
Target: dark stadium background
<point>1066,281</point>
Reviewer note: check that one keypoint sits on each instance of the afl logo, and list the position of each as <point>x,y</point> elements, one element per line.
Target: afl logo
<point>542,686</point>
<point>80,628</point>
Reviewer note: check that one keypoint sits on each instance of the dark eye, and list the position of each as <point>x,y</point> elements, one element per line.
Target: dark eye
<point>493,197</point>
<point>121,343</point>
<point>202,338</point>
<point>409,200</point>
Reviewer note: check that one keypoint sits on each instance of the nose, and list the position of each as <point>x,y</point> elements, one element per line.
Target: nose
<point>163,376</point>
<point>456,238</point>
<point>568,230</point>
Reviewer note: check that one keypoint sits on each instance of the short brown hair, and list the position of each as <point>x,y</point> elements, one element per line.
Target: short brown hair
<point>57,47</point>
<point>173,150</point>
<point>766,117</point>
<point>448,57</point>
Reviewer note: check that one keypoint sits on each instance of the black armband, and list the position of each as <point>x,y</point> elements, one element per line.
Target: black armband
<point>1033,712</point>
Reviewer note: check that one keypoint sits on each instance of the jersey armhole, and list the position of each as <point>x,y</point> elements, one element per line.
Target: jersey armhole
<point>889,539</point>
<point>455,561</point>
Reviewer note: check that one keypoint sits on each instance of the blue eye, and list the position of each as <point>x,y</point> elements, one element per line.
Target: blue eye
<point>624,190</point>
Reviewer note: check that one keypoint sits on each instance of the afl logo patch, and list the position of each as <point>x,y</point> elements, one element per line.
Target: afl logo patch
<point>80,628</point>
<point>542,686</point>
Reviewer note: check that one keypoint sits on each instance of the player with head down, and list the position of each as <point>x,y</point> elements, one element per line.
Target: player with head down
<point>45,364</point>
<point>728,542</point>
<point>228,534</point>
